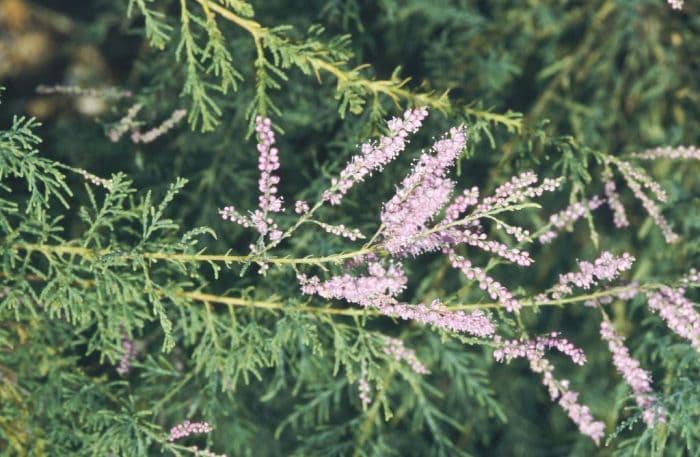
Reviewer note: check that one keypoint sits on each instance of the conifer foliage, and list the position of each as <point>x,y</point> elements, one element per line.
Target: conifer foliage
<point>415,227</point>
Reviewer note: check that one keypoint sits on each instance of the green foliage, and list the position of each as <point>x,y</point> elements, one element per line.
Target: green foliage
<point>88,262</point>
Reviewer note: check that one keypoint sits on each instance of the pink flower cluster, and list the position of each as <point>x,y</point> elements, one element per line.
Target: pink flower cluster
<point>678,312</point>
<point>459,205</point>
<point>373,290</point>
<point>104,92</point>
<point>568,216</point>
<point>668,152</point>
<point>125,124</point>
<point>268,163</point>
<point>378,289</point>
<point>451,232</point>
<point>578,413</point>
<point>96,180</point>
<point>641,178</point>
<point>365,390</point>
<point>693,277</point>
<point>534,351</point>
<point>188,428</point>
<point>408,226</point>
<point>155,133</point>
<point>517,190</point>
<point>395,348</point>
<point>619,216</point>
<point>476,323</point>
<point>495,289</point>
<point>636,180</point>
<point>605,267</point>
<point>341,230</point>
<point>268,201</point>
<point>675,4</point>
<point>129,354</point>
<point>375,156</point>
<point>638,379</point>
<point>301,207</point>
<point>128,122</point>
<point>422,194</point>
<point>479,240</point>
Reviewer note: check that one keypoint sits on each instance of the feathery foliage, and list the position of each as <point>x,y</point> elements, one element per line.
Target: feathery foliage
<point>128,305</point>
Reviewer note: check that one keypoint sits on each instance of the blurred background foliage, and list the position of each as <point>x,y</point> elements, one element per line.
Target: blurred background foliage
<point>548,85</point>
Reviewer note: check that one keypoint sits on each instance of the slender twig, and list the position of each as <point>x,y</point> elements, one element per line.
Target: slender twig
<point>48,249</point>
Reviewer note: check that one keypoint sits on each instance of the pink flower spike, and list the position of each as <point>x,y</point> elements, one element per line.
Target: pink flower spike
<point>188,428</point>
<point>268,163</point>
<point>364,389</point>
<point>459,205</point>
<point>395,348</point>
<point>517,190</point>
<point>638,379</point>
<point>378,289</point>
<point>635,179</point>
<point>422,194</point>
<point>341,230</point>
<point>477,323</point>
<point>678,312</point>
<point>605,267</point>
<point>693,277</point>
<point>268,201</point>
<point>128,356</point>
<point>533,351</point>
<point>677,153</point>
<point>124,124</point>
<point>364,290</point>
<point>155,133</point>
<point>511,349</point>
<point>568,216</point>
<point>619,216</point>
<point>495,290</point>
<point>375,156</point>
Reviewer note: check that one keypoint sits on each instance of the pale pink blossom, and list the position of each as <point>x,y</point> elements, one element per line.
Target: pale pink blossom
<point>378,289</point>
<point>365,390</point>
<point>495,290</point>
<point>380,283</point>
<point>422,194</point>
<point>605,267</point>
<point>96,180</point>
<point>268,200</point>
<point>613,198</point>
<point>341,230</point>
<point>668,152</point>
<point>637,378</point>
<point>301,207</point>
<point>568,216</point>
<point>476,323</point>
<point>693,277</point>
<point>128,355</point>
<point>188,428</point>
<point>533,351</point>
<point>518,189</point>
<point>162,129</point>
<point>678,312</point>
<point>395,348</point>
<point>375,156</point>
<point>637,179</point>
<point>125,123</point>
